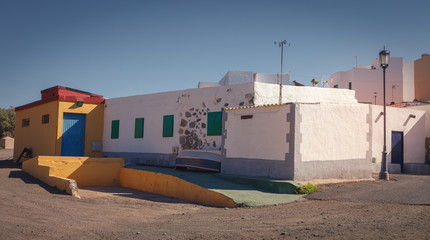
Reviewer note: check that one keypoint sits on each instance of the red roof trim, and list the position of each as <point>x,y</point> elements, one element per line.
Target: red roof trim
<point>60,93</point>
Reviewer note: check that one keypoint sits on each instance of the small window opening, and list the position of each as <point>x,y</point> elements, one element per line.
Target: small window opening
<point>246,117</point>
<point>26,122</point>
<point>45,119</point>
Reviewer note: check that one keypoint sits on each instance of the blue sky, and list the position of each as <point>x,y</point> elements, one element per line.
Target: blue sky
<point>123,48</point>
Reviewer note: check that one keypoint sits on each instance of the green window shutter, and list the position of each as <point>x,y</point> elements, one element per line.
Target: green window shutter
<point>138,127</point>
<point>168,126</point>
<point>114,133</point>
<point>214,123</point>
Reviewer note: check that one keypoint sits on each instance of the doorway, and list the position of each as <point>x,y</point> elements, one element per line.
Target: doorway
<point>397,148</point>
<point>73,138</point>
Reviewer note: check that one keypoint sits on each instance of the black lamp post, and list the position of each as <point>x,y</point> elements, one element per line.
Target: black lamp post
<point>375,94</point>
<point>384,57</point>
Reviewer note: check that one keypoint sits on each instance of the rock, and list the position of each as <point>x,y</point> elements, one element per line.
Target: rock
<point>183,123</point>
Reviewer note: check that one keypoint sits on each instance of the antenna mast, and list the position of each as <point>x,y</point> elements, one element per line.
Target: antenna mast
<point>281,45</point>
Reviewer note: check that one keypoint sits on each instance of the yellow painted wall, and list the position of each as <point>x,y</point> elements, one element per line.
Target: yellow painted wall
<point>45,139</point>
<point>93,124</point>
<point>171,186</point>
<point>41,138</point>
<point>57,171</point>
<point>422,78</point>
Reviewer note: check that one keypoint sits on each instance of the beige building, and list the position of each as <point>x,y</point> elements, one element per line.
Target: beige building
<point>422,78</point>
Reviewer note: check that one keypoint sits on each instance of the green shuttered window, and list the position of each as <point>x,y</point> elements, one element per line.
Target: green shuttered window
<point>214,123</point>
<point>114,133</point>
<point>168,126</point>
<point>138,127</point>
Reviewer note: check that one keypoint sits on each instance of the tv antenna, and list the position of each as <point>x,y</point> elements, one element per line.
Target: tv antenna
<point>281,45</point>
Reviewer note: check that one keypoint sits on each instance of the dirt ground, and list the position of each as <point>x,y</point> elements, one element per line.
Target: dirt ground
<point>29,209</point>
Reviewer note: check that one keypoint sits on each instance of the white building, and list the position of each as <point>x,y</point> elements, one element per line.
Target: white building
<point>261,129</point>
<point>367,81</point>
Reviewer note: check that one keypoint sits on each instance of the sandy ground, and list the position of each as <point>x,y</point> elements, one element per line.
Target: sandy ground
<point>29,209</point>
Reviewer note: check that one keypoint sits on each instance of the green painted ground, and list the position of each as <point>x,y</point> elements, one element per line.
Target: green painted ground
<point>243,190</point>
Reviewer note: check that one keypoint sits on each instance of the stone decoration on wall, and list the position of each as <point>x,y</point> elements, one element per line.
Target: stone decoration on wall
<point>192,128</point>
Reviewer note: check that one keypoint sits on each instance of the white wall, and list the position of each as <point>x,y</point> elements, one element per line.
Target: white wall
<point>367,81</point>
<point>273,78</point>
<point>331,132</point>
<point>425,108</point>
<point>261,137</point>
<point>152,107</point>
<point>269,94</point>
<point>197,102</point>
<point>408,81</point>
<point>237,77</point>
<point>398,120</point>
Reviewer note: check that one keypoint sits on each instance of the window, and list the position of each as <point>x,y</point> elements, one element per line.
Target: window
<point>246,117</point>
<point>114,134</point>
<point>138,127</point>
<point>26,122</point>
<point>45,119</point>
<point>350,85</point>
<point>214,123</point>
<point>168,126</point>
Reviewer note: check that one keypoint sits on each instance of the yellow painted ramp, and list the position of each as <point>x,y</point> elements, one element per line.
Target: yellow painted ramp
<point>65,173</point>
<point>172,186</point>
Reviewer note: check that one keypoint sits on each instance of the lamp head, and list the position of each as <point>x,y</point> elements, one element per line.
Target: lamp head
<point>384,57</point>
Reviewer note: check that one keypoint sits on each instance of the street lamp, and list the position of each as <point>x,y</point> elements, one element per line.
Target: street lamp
<point>375,94</point>
<point>384,57</point>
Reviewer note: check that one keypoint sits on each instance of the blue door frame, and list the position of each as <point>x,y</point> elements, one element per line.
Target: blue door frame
<point>73,138</point>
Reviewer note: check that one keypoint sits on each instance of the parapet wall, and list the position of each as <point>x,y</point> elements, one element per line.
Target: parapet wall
<point>65,172</point>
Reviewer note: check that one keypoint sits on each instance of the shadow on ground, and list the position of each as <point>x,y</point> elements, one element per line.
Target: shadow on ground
<point>28,179</point>
<point>134,194</point>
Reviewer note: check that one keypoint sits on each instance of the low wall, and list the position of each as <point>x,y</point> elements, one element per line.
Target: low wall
<point>151,159</point>
<point>7,142</point>
<point>172,187</point>
<point>65,172</point>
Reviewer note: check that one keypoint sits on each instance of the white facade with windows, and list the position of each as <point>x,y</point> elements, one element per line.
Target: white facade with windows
<point>367,81</point>
<point>300,133</point>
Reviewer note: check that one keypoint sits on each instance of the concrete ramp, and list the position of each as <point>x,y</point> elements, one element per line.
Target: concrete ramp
<point>210,188</point>
<point>214,189</point>
<point>172,186</point>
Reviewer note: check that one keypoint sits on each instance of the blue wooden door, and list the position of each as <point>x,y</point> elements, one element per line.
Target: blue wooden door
<point>73,139</point>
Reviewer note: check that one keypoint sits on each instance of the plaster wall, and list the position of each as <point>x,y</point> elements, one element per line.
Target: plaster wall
<point>422,78</point>
<point>408,81</point>
<point>332,141</point>
<point>367,81</point>
<point>41,138</point>
<point>425,108</point>
<point>236,77</point>
<point>261,145</point>
<point>272,78</point>
<point>190,109</point>
<point>261,137</point>
<point>398,119</point>
<point>332,132</point>
<point>299,141</point>
<point>269,94</point>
